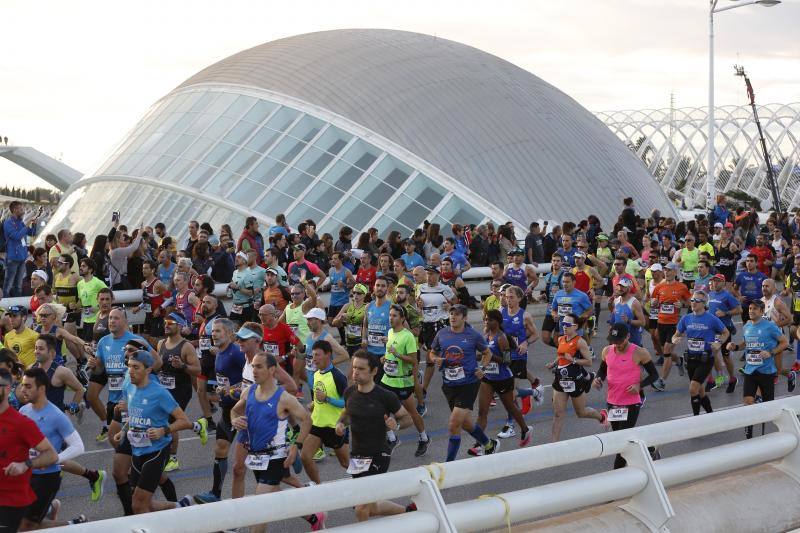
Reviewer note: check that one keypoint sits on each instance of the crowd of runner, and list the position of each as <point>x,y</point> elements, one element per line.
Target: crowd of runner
<point>266,372</point>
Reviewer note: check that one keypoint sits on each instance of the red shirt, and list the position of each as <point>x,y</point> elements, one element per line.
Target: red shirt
<point>18,434</point>
<point>762,253</point>
<point>278,338</point>
<point>366,276</point>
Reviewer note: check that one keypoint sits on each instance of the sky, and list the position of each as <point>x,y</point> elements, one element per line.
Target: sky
<point>76,76</point>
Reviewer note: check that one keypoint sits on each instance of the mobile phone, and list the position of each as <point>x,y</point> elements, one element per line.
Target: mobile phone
<point>115,216</point>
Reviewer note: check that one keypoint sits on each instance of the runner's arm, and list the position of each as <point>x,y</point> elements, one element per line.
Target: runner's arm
<point>300,416</point>
<point>181,421</point>
<point>68,378</point>
<point>340,355</point>
<point>638,312</point>
<point>285,380</point>
<point>238,409</point>
<point>190,360</point>
<point>74,447</point>
<point>403,418</point>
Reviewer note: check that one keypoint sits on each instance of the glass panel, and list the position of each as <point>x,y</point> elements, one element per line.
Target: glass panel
<point>333,140</point>
<point>273,203</point>
<point>355,214</point>
<point>313,161</point>
<point>243,161</point>
<point>176,171</point>
<point>392,171</point>
<point>185,102</point>
<point>150,142</point>
<point>294,182</point>
<point>282,119</point>
<point>222,182</point>
<point>199,175</point>
<point>168,123</point>
<point>385,224</point>
<point>459,212</point>
<point>323,196</point>
<point>199,148</point>
<point>145,163</point>
<point>408,212</point>
<point>219,105</point>
<point>219,154</point>
<point>246,192</point>
<point>374,192</point>
<point>287,149</point>
<point>131,162</point>
<point>425,191</point>
<point>114,167</point>
<point>263,139</point>
<point>266,171</point>
<point>240,132</point>
<point>361,154</point>
<point>180,145</point>
<point>162,163</point>
<point>307,128</point>
<point>218,128</point>
<point>202,122</point>
<point>260,112</point>
<point>204,100</point>
<point>183,121</point>
<point>303,212</point>
<point>342,175</point>
<point>166,140</point>
<point>242,104</point>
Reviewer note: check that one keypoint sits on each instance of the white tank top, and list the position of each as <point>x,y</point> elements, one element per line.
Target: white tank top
<point>769,306</point>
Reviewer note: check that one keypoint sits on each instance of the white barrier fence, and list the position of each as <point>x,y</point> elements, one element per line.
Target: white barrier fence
<point>643,481</point>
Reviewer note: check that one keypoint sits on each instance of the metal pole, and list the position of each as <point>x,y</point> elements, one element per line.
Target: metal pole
<point>710,185</point>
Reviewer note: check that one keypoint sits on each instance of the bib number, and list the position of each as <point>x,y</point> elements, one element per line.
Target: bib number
<point>390,368</point>
<point>618,414</point>
<point>223,381</point>
<point>236,309</point>
<point>115,382</point>
<point>204,343</point>
<point>654,313</point>
<point>696,345</point>
<point>454,373</point>
<point>687,275</point>
<point>270,348</point>
<point>492,368</point>
<point>167,380</point>
<point>353,330</point>
<point>567,385</point>
<point>310,366</point>
<point>138,438</point>
<point>147,308</point>
<point>667,309</point>
<point>87,311</point>
<point>295,328</point>
<point>429,313</point>
<point>359,465</point>
<point>375,339</point>
<point>564,309</point>
<point>257,461</point>
<point>754,358</point>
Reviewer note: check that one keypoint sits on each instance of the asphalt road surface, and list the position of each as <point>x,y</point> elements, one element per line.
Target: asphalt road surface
<point>195,475</point>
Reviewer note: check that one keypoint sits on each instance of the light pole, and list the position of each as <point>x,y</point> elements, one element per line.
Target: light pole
<point>710,174</point>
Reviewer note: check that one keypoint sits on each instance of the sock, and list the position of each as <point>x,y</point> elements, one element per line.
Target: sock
<point>706,403</point>
<point>510,421</point>
<point>220,470</point>
<point>522,393</point>
<point>453,444</point>
<point>125,497</point>
<point>91,475</point>
<point>696,405</point>
<point>196,427</point>
<point>168,488</point>
<point>391,436</point>
<point>479,435</point>
<point>423,435</point>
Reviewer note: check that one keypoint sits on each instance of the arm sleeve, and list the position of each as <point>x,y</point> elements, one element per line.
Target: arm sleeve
<point>74,447</point>
<point>652,375</point>
<point>602,372</point>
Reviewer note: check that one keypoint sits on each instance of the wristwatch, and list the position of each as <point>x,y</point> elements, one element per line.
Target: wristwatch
<point>29,463</point>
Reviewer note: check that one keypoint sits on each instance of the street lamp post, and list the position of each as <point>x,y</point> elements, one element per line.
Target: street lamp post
<point>710,174</point>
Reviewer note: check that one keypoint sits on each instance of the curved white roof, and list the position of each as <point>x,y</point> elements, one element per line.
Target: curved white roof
<point>504,133</point>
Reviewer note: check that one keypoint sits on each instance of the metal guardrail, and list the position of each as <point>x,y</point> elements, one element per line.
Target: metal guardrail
<point>643,481</point>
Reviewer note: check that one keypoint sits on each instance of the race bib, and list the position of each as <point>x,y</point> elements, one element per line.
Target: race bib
<point>696,345</point>
<point>564,309</point>
<point>138,438</point>
<point>797,295</point>
<point>359,465</point>
<point>567,385</point>
<point>167,380</point>
<point>353,330</point>
<point>654,313</point>
<point>236,309</point>
<point>618,414</point>
<point>258,461</point>
<point>147,308</point>
<point>754,358</point>
<point>454,373</point>
<point>270,348</point>
<point>295,328</point>
<point>390,368</point>
<point>204,343</point>
<point>375,339</point>
<point>336,288</point>
<point>492,368</point>
<point>668,309</point>
<point>87,311</point>
<point>223,381</point>
<point>430,313</point>
<point>123,416</point>
<point>310,366</point>
<point>687,275</point>
<point>115,382</point>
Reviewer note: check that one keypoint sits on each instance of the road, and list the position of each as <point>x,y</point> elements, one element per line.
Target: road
<point>194,475</point>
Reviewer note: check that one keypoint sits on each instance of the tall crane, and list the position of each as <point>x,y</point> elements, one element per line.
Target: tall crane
<point>770,175</point>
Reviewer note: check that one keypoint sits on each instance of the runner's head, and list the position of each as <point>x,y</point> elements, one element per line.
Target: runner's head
<point>33,386</point>
<point>494,320</point>
<point>49,314</point>
<point>381,287</point>
<point>768,287</point>
<point>671,271</point>
<point>623,286</point>
<point>240,260</point>
<point>568,281</point>
<point>316,319</point>
<point>264,366</point>
<point>140,365</point>
<point>556,262</point>
<point>64,263</point>
<point>363,367</point>
<point>620,262</point>
<point>432,272</point>
<point>618,335</point>
<point>717,282</point>
<point>105,299</point>
<point>148,268</point>
<point>268,315</point>
<point>698,301</point>
<point>447,265</point>
<point>181,280</point>
<point>750,263</point>
<point>517,256</point>
<point>419,275</point>
<point>580,259</point>
<point>359,292</point>
<point>249,337</point>
<point>45,348</point>
<point>117,321</point>
<point>756,310</point>
<point>173,324</point>
<point>458,316</point>
<point>570,324</point>
<point>209,305</point>
<point>402,294</point>
<point>658,272</point>
<point>514,296</point>
<point>397,315</point>
<point>86,267</point>
<point>703,268</point>
<point>321,352</point>
<point>222,332</point>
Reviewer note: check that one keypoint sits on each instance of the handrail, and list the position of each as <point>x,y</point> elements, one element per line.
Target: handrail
<point>642,480</point>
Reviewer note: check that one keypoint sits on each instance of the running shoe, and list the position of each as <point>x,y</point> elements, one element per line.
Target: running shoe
<point>411,507</point>
<point>319,523</point>
<point>758,399</point>
<point>80,519</point>
<point>422,409</point>
<point>679,364</point>
<point>709,385</point>
<point>526,405</point>
<point>493,402</point>
<point>719,381</point>
<point>98,486</point>
<point>538,393</point>
<point>83,372</point>
<point>422,448</point>
<point>740,370</point>
<point>319,455</point>
<point>525,439</point>
<point>392,444</point>
<point>660,360</point>
<point>796,366</point>
<point>103,435</point>
<point>186,501</point>
<point>643,396</point>
<point>731,386</point>
<point>604,418</point>
<point>659,385</point>
<point>507,432</point>
<point>476,450</point>
<point>492,447</point>
<point>172,464</point>
<point>792,377</point>
<point>201,428</point>
<point>206,497</point>
<point>52,512</point>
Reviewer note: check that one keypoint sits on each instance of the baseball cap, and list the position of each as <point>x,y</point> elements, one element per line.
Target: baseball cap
<point>178,318</point>
<point>247,333</point>
<point>718,276</point>
<point>618,332</point>
<point>17,310</point>
<point>625,282</point>
<point>299,247</point>
<point>143,357</point>
<point>602,237</point>
<point>213,240</point>
<point>432,268</point>
<point>272,271</point>
<point>672,266</point>
<point>656,268</point>
<point>517,251</point>
<point>40,273</point>
<point>243,256</point>
<point>317,313</point>
<point>580,254</point>
<point>718,225</point>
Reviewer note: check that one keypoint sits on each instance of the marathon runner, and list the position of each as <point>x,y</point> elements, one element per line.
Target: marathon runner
<point>304,298</point>
<point>376,322</point>
<point>724,305</point>
<point>351,318</point>
<point>316,326</point>
<point>587,278</point>
<point>434,298</point>
<point>667,298</point>
<point>747,285</point>
<point>455,350</point>
<point>520,275</point>
<point>777,311</point>
<point>628,310</point>
<point>49,317</point>
<point>275,293</point>
<point>153,298</point>
<point>688,257</point>
<point>656,276</point>
<point>370,412</point>
<point>210,310</point>
<point>341,281</point>
<point>89,287</point>
<point>20,338</point>
<point>569,300</point>
<point>65,285</point>
<point>552,284</point>
<point>704,334</point>
<point>621,365</point>
<point>242,290</point>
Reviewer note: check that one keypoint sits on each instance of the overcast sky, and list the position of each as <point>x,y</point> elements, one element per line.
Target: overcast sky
<point>76,76</point>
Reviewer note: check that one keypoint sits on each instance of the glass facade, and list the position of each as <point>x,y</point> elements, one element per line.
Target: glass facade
<point>262,158</point>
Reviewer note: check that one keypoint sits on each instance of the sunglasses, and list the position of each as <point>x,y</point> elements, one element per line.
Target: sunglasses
<point>697,300</point>
<point>568,324</point>
<point>296,293</point>
<point>45,315</point>
<point>357,294</point>
<point>170,323</point>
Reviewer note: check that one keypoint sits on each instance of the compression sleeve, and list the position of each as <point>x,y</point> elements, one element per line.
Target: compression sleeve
<point>336,402</point>
<point>652,375</point>
<point>602,371</point>
<point>74,447</point>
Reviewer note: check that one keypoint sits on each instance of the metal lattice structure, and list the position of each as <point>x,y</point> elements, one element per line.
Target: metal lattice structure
<point>672,143</point>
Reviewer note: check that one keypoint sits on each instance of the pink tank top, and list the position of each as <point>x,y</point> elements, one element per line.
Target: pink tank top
<point>623,371</point>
